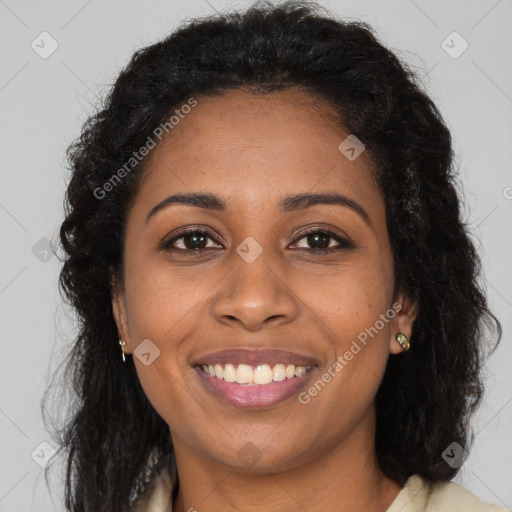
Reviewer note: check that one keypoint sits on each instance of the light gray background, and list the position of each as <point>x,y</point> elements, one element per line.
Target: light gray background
<point>45,101</point>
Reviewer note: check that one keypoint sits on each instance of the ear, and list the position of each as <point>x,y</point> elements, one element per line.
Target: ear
<point>119,311</point>
<point>407,312</point>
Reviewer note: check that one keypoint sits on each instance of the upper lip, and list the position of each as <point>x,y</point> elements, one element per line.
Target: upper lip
<point>270,356</point>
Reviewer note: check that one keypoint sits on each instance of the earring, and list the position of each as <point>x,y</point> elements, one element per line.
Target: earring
<point>122,343</point>
<point>403,341</point>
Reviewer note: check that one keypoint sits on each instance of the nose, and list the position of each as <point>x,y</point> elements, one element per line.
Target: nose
<point>255,295</point>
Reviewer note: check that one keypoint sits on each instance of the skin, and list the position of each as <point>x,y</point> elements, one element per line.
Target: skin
<point>252,150</point>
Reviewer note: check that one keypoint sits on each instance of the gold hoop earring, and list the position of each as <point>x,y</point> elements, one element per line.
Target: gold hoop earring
<point>122,343</point>
<point>403,341</point>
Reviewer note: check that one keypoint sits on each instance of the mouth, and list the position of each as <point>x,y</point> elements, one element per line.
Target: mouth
<point>254,379</point>
<point>250,375</point>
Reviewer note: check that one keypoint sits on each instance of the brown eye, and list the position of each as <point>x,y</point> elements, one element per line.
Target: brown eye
<point>190,240</point>
<point>321,241</point>
<point>196,241</point>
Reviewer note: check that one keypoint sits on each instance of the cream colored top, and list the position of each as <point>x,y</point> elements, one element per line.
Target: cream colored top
<point>417,495</point>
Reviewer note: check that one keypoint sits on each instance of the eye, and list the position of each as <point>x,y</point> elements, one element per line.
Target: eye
<point>322,239</point>
<point>192,240</point>
<point>197,241</point>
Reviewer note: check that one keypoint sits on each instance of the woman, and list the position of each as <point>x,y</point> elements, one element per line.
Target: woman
<point>276,290</point>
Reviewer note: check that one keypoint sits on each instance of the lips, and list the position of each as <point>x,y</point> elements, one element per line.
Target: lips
<point>252,357</point>
<point>261,395</point>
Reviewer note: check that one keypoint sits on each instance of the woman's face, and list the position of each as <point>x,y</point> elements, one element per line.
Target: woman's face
<point>257,281</point>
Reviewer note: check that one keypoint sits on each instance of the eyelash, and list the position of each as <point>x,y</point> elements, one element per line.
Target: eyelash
<point>344,243</point>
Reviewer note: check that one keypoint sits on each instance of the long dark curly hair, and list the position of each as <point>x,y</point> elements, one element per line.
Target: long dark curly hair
<point>114,439</point>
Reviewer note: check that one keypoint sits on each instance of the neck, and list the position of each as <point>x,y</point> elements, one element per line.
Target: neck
<point>348,475</point>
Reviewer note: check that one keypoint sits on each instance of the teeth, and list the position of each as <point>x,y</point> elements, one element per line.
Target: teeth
<point>290,371</point>
<point>279,372</point>
<point>299,371</point>
<point>229,373</point>
<point>262,374</point>
<point>244,374</point>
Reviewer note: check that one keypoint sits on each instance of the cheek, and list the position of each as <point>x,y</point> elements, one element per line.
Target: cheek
<point>350,308</point>
<point>348,300</point>
<point>169,396</point>
<point>161,310</point>
<point>161,301</point>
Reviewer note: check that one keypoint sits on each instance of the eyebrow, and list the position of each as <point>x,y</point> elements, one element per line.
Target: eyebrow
<point>287,204</point>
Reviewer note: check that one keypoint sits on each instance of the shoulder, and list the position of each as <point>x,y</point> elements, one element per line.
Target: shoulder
<point>418,495</point>
<point>157,496</point>
<point>450,496</point>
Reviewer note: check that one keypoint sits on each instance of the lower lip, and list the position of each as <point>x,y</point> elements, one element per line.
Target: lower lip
<point>256,396</point>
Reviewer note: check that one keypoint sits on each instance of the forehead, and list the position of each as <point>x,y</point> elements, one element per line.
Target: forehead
<point>250,148</point>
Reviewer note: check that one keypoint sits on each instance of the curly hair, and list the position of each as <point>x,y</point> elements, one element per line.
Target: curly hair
<point>114,438</point>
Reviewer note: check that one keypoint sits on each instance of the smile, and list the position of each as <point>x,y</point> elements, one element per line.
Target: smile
<point>254,378</point>
<point>249,375</point>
